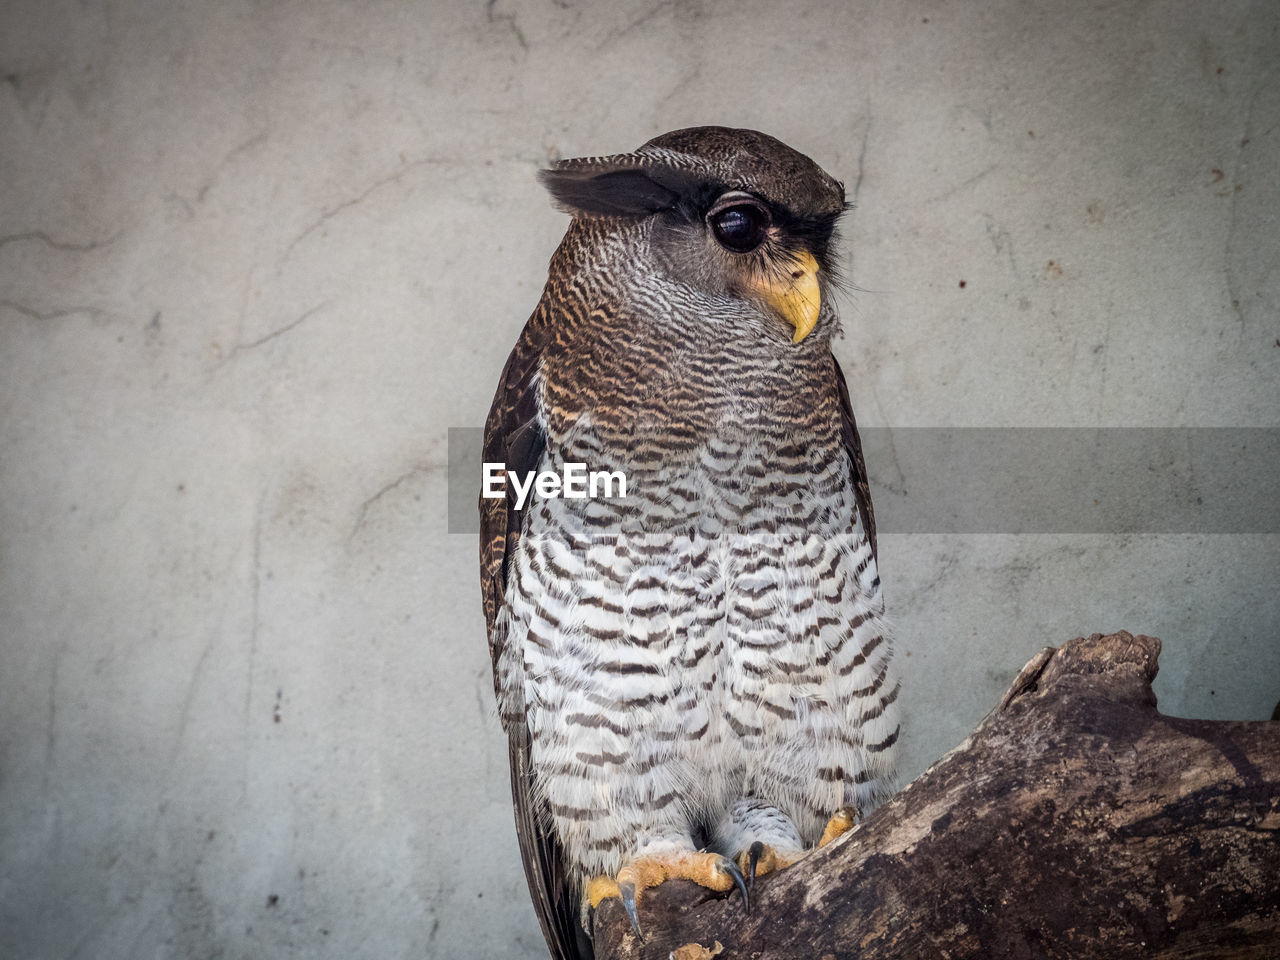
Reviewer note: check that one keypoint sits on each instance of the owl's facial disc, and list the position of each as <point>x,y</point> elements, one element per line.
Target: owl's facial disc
<point>787,282</point>
<point>792,290</point>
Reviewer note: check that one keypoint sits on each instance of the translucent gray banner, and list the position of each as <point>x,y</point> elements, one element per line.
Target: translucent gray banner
<point>1032,479</point>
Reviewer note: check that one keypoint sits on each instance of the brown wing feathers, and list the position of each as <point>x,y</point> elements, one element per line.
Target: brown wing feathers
<point>853,445</point>
<point>514,436</point>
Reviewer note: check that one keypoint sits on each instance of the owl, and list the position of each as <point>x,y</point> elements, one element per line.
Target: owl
<point>695,677</point>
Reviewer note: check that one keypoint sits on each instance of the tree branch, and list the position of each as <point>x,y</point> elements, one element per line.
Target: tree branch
<point>1075,821</point>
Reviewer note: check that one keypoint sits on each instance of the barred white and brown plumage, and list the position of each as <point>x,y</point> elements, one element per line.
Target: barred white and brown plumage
<point>706,660</point>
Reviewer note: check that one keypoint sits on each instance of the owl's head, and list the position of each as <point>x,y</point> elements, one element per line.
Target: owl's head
<point>730,212</point>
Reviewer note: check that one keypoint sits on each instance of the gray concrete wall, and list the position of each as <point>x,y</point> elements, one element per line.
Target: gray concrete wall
<point>256,258</point>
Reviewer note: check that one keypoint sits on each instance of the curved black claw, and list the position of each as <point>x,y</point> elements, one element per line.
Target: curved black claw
<point>731,868</point>
<point>627,891</point>
<point>753,853</point>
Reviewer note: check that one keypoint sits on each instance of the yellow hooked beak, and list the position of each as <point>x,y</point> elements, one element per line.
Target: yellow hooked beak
<point>794,294</point>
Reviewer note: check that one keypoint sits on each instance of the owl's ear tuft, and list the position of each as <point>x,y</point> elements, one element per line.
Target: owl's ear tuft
<point>614,187</point>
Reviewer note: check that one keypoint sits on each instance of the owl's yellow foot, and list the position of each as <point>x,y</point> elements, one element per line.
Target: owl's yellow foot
<point>841,822</point>
<point>705,869</point>
<point>761,858</point>
<point>600,888</point>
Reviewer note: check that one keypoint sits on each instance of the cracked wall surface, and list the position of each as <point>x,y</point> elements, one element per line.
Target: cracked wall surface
<point>256,259</point>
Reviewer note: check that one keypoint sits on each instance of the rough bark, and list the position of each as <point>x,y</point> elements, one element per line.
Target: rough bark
<point>1076,821</point>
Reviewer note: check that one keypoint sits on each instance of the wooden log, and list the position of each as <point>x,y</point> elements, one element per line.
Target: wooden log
<point>1075,821</point>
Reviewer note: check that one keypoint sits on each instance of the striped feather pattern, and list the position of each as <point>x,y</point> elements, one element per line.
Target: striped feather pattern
<point>706,659</point>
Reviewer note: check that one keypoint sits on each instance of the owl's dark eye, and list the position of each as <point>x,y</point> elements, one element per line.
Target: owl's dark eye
<point>739,226</point>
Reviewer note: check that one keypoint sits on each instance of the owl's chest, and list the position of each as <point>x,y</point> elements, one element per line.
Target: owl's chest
<point>682,485</point>
<point>705,647</point>
<point>680,384</point>
<point>690,608</point>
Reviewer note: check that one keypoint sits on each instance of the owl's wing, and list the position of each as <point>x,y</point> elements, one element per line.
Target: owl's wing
<point>853,445</point>
<point>514,436</point>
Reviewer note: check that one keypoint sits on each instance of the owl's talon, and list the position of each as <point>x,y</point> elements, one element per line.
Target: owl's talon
<point>731,868</point>
<point>627,893</point>
<point>761,858</point>
<point>753,855</point>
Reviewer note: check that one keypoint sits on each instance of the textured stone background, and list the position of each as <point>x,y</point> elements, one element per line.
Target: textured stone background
<point>256,258</point>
